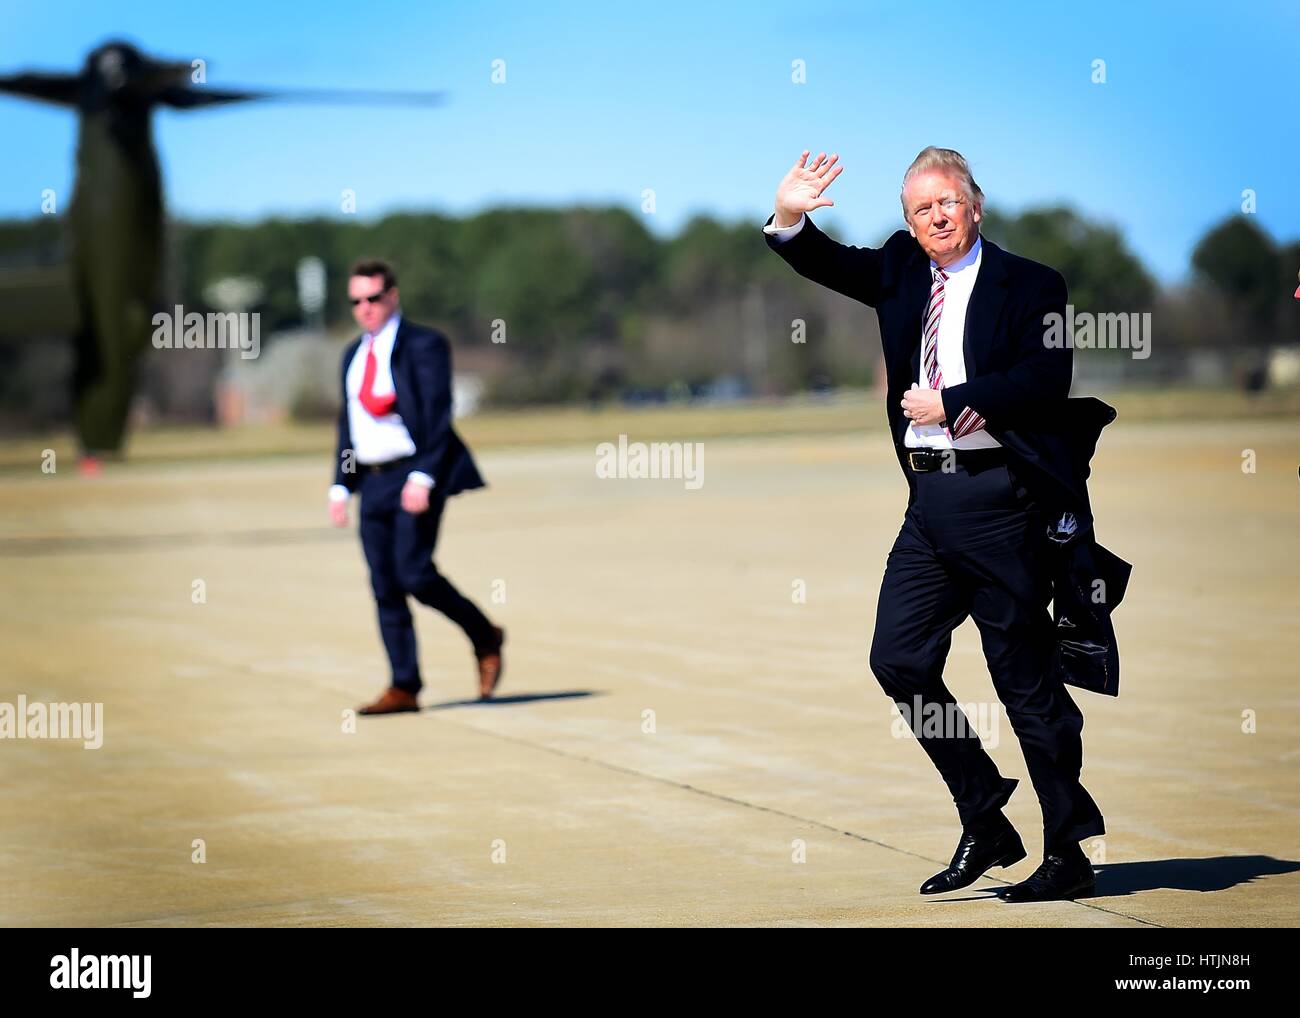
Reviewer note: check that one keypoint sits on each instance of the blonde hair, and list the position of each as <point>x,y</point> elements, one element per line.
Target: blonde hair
<point>949,160</point>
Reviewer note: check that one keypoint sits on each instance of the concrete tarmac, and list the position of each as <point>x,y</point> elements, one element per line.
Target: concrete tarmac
<point>680,738</point>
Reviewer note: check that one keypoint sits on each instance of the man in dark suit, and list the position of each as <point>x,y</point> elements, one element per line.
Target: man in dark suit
<point>398,450</point>
<point>977,400</point>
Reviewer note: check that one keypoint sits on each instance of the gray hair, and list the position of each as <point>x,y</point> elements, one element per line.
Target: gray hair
<point>948,160</point>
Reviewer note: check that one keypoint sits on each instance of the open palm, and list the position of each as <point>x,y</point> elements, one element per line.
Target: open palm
<point>803,187</point>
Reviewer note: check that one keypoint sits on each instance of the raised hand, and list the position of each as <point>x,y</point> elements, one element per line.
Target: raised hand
<point>801,190</point>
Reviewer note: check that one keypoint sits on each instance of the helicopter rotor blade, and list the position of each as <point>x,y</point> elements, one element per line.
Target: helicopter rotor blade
<point>62,89</point>
<point>188,98</point>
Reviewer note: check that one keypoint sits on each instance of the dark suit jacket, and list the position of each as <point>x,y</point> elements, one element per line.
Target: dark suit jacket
<point>1020,386</point>
<point>422,381</point>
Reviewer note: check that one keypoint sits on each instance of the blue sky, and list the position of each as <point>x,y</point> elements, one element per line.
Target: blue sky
<point>695,100</point>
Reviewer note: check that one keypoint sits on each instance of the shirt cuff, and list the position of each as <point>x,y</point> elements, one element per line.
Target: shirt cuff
<point>338,493</point>
<point>784,232</point>
<point>420,478</point>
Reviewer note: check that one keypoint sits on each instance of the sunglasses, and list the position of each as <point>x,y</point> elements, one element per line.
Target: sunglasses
<point>374,298</point>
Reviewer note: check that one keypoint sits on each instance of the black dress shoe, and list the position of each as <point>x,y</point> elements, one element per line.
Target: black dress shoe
<point>975,854</point>
<point>1058,878</point>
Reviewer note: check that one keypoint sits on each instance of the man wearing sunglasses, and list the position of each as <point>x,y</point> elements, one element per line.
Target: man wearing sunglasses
<point>397,449</point>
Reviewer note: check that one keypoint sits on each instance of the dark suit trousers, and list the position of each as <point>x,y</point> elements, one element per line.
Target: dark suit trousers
<point>399,551</point>
<point>973,543</point>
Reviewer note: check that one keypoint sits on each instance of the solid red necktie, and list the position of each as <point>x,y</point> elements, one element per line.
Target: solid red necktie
<point>376,406</point>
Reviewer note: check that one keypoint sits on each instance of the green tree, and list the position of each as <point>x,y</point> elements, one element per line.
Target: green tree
<point>1239,261</point>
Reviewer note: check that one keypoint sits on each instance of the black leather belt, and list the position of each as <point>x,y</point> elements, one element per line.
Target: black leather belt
<point>924,460</point>
<point>387,465</point>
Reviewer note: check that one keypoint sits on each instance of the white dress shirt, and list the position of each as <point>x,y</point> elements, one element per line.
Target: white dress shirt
<point>952,332</point>
<point>377,439</point>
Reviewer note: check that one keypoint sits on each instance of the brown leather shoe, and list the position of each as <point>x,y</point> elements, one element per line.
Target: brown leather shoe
<point>490,667</point>
<point>394,701</point>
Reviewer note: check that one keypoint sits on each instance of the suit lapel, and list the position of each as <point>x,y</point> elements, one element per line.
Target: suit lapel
<point>395,362</point>
<point>349,354</point>
<point>397,340</point>
<point>984,307</point>
<point>916,295</point>
<point>903,361</point>
<point>407,406</point>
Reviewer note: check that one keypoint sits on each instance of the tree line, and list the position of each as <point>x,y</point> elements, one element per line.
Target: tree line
<point>591,304</point>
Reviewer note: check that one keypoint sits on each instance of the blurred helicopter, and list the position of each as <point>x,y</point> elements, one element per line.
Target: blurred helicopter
<point>105,297</point>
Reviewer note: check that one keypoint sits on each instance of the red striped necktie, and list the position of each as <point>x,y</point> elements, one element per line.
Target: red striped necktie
<point>968,420</point>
